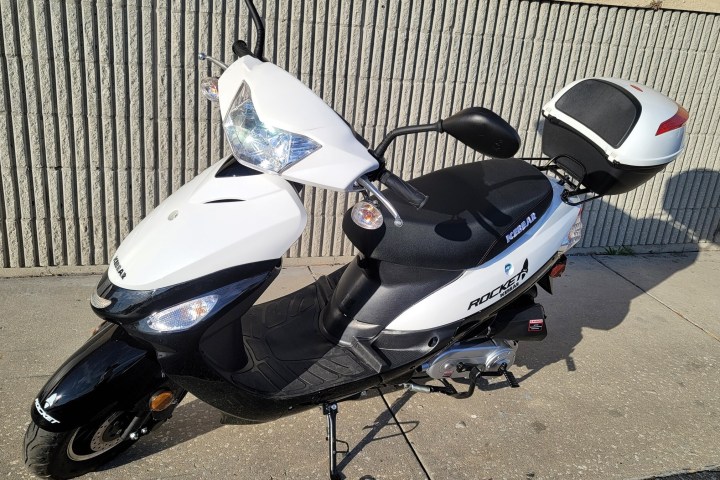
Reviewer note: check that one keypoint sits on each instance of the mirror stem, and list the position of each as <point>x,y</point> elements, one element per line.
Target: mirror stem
<point>260,26</point>
<point>204,56</point>
<point>380,149</point>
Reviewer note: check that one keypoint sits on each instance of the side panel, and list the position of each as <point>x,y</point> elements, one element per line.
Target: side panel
<point>111,371</point>
<point>371,293</point>
<point>479,288</point>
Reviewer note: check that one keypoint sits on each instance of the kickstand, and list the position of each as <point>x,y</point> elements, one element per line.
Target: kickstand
<point>330,411</point>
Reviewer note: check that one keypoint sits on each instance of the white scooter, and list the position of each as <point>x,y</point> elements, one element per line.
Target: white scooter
<point>444,285</point>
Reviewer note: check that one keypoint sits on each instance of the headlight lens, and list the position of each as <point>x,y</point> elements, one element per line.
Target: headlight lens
<point>259,145</point>
<point>182,316</point>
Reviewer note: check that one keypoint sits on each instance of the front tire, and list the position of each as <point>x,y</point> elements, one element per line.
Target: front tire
<point>76,452</point>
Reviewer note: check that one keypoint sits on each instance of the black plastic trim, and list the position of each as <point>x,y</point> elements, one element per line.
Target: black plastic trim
<point>372,293</point>
<point>110,372</point>
<point>225,200</point>
<point>233,168</point>
<point>569,148</point>
<point>128,306</point>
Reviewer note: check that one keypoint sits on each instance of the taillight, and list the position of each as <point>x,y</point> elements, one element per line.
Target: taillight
<point>559,268</point>
<point>574,234</point>
<point>674,122</point>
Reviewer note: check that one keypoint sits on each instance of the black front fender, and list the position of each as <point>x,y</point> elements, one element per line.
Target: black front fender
<point>110,372</point>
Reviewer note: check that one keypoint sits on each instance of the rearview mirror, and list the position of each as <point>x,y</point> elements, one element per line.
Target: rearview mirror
<point>483,131</point>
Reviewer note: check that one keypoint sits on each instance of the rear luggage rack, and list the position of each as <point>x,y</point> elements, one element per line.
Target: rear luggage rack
<point>567,178</point>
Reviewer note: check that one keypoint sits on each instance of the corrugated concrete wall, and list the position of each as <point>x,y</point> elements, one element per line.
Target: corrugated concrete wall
<point>100,117</point>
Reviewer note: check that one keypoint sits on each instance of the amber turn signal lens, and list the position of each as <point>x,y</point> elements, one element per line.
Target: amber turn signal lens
<point>367,215</point>
<point>161,400</point>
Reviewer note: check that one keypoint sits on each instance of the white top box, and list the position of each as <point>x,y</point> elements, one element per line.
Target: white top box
<point>631,123</point>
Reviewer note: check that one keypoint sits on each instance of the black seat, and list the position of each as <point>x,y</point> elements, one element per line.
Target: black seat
<point>474,212</point>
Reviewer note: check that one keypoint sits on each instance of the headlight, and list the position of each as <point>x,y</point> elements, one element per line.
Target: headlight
<point>182,316</point>
<point>259,145</point>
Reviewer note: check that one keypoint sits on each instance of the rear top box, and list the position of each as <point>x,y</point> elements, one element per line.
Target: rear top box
<point>612,135</point>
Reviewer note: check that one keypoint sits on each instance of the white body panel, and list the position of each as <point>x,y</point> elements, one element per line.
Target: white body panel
<point>642,148</point>
<point>282,101</point>
<point>186,237</point>
<point>455,301</point>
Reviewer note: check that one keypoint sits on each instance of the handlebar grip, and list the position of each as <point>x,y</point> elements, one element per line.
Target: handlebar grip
<point>240,48</point>
<point>409,193</point>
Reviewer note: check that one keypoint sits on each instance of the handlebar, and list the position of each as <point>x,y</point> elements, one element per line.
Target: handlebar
<point>408,193</point>
<point>240,48</point>
<point>373,190</point>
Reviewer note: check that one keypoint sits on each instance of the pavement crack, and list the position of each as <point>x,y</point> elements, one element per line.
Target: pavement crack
<point>312,274</point>
<point>709,333</point>
<point>402,431</point>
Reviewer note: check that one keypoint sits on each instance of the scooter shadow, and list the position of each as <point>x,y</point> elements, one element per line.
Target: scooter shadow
<point>599,298</point>
<point>380,424</point>
<point>195,418</point>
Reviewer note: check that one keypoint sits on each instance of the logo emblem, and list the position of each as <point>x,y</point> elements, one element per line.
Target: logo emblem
<point>503,289</point>
<point>50,400</point>
<point>509,269</point>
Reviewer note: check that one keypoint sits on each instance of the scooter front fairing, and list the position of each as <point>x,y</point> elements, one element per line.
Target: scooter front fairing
<point>228,215</point>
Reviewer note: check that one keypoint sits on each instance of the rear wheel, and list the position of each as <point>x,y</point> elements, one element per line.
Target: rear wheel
<point>76,452</point>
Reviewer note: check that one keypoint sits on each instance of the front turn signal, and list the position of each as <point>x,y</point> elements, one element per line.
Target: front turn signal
<point>161,400</point>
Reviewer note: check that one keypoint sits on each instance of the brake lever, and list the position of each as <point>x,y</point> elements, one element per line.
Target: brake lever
<point>373,190</point>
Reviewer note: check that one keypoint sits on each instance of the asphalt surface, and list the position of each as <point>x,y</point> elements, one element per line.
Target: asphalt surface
<point>626,385</point>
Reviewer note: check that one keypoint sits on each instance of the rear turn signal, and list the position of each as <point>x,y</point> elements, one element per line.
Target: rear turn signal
<point>559,268</point>
<point>674,122</point>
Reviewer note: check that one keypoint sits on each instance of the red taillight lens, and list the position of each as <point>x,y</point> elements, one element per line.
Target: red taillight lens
<point>674,122</point>
<point>557,270</point>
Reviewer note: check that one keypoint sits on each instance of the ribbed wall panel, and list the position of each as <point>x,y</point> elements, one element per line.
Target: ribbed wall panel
<point>101,117</point>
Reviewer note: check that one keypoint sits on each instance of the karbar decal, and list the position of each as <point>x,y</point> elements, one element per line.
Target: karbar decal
<point>119,269</point>
<point>520,228</point>
<point>503,289</point>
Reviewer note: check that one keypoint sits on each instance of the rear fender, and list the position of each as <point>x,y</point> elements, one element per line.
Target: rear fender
<point>110,372</point>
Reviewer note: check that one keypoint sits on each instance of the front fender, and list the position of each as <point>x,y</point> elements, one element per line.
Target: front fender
<point>110,372</point>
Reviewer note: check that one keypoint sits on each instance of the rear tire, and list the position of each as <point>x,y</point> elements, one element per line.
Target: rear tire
<point>76,452</point>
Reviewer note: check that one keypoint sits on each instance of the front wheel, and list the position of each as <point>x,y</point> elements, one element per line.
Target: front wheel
<point>79,451</point>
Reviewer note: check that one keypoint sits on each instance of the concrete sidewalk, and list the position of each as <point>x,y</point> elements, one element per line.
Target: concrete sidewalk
<point>625,386</point>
